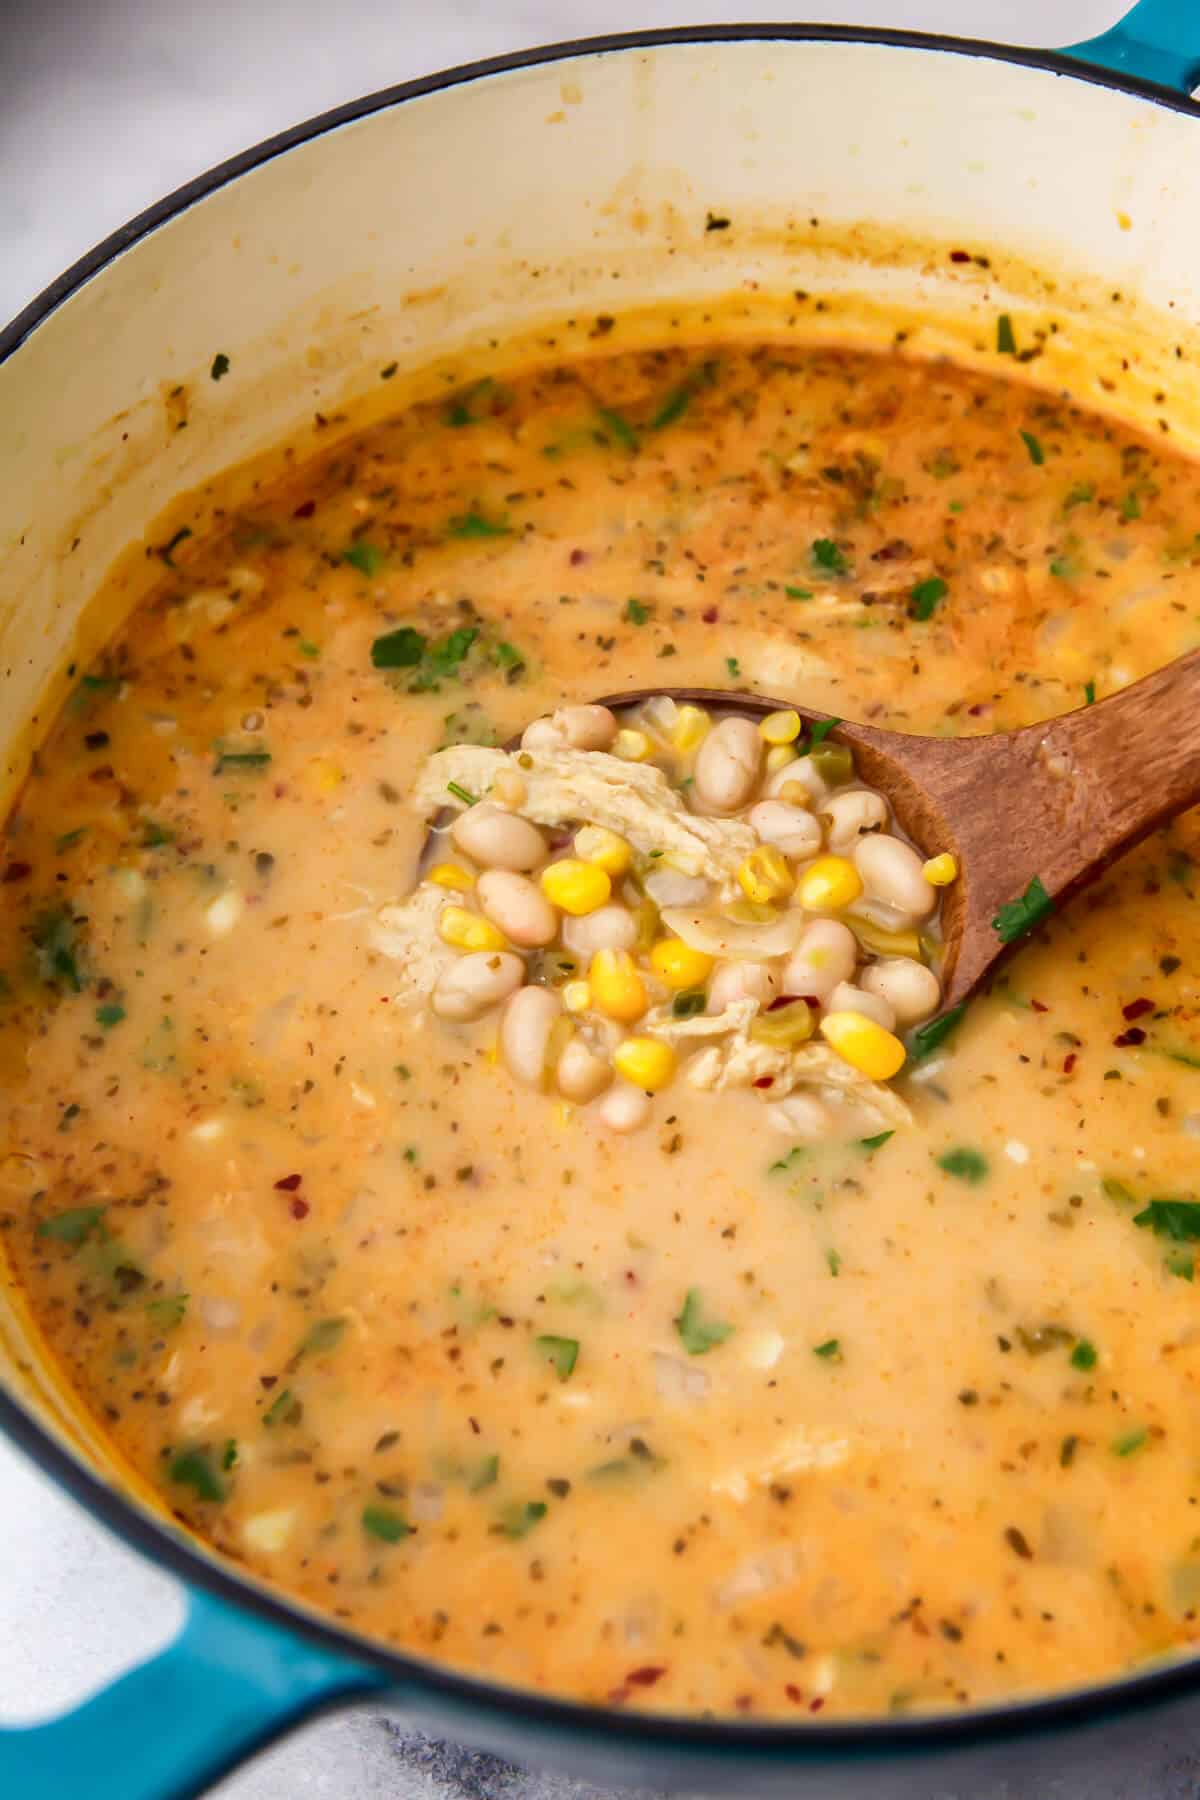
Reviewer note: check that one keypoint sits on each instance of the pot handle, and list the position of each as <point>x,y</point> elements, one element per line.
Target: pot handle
<point>229,1684</point>
<point>1157,40</point>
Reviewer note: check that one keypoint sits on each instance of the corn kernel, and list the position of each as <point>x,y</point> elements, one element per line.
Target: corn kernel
<point>645,1063</point>
<point>692,726</point>
<point>766,875</point>
<point>862,1043</point>
<point>617,988</point>
<point>607,849</point>
<point>941,870</point>
<point>632,746</point>
<point>451,875</point>
<point>577,996</point>
<point>679,966</point>
<point>468,931</point>
<point>829,884</point>
<point>780,727</point>
<point>325,775</point>
<point>779,756</point>
<point>576,887</point>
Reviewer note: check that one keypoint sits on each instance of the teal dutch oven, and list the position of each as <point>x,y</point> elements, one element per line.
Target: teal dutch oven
<point>395,229</point>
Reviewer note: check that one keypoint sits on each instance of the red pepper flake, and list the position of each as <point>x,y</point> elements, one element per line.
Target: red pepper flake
<point>18,871</point>
<point>1137,1009</point>
<point>1038,1006</point>
<point>744,1702</point>
<point>631,1277</point>
<point>1069,1062</point>
<point>1135,1035</point>
<point>299,1208</point>
<point>765,1081</point>
<point>816,1705</point>
<point>305,510</point>
<point>289,1184</point>
<point>794,1694</point>
<point>960,256</point>
<point>645,1677</point>
<point>710,615</point>
<point>578,557</point>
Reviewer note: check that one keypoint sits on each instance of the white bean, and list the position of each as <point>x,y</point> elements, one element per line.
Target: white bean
<point>543,734</point>
<point>825,955</point>
<point>892,872</point>
<point>471,985</point>
<point>581,1074</point>
<point>498,839</point>
<point>801,771</point>
<point>608,928</point>
<point>585,727</point>
<point>846,816</point>
<point>529,1018</point>
<point>741,981</point>
<point>848,998</point>
<point>728,764</point>
<point>801,1116</point>
<point>624,1108</point>
<point>518,906</point>
<point>790,828</point>
<point>912,991</point>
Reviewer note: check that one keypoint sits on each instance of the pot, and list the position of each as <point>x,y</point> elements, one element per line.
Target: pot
<point>563,185</point>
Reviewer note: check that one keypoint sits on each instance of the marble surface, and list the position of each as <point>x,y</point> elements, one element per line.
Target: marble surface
<point>104,106</point>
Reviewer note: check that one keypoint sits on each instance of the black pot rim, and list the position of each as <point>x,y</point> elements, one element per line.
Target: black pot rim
<point>793,1745</point>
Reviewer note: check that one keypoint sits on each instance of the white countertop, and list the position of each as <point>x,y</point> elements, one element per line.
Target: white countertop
<point>106,105</point>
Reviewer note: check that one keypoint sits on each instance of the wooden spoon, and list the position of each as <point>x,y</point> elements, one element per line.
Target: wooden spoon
<point>1055,803</point>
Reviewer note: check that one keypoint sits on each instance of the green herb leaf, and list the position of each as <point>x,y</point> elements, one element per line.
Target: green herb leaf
<point>562,1353</point>
<point>518,1519</point>
<point>698,1334</point>
<point>734,667</point>
<point>1020,916</point>
<point>831,1350</point>
<point>1131,507</point>
<point>1131,1442</point>
<point>1006,343</point>
<point>155,836</point>
<point>507,657</point>
<point>833,1262</point>
<point>56,941</point>
<point>284,1409</point>
<point>1037,455</point>
<point>72,1227</point>
<point>1089,693</point>
<point>461,793</point>
<point>1080,494</point>
<point>485,1475</point>
<point>461,410</point>
<point>876,1142</point>
<point>795,1156</point>
<point>366,558</point>
<point>229,1455</point>
<point>1178,1220</point>
<point>688,1006</point>
<point>168,1311</point>
<point>1182,1265</point>
<point>240,759</point>
<point>384,1523</point>
<point>923,600</point>
<point>619,426</point>
<point>827,556</point>
<point>964,1165</point>
<point>1116,1190</point>
<point>817,733</point>
<point>636,612</point>
<point>928,1038</point>
<point>1084,1355</point>
<point>474,524</point>
<point>220,365</point>
<point>109,1015</point>
<point>69,839</point>
<point>798,593</point>
<point>194,1468</point>
<point>322,1335</point>
<point>401,649</point>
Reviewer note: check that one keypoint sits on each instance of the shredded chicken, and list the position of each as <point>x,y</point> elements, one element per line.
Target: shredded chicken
<point>407,933</point>
<point>741,1061</point>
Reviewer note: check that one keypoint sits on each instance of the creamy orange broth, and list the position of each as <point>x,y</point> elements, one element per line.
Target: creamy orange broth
<point>294,1247</point>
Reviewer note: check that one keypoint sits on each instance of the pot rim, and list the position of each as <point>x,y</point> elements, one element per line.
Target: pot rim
<point>813,1740</point>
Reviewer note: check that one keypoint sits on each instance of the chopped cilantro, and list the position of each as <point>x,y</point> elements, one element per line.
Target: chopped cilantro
<point>924,598</point>
<point>384,1523</point>
<point>461,793</point>
<point>518,1519</point>
<point>194,1468</point>
<point>697,1333</point>
<point>636,611</point>
<point>366,558</point>
<point>154,836</point>
<point>1182,1265</point>
<point>798,593</point>
<point>401,649</point>
<point>507,657</point>
<point>229,1455</point>
<point>461,411</point>
<point>444,658</point>
<point>284,1409</point>
<point>794,1157</point>
<point>928,1038</point>
<point>1020,916</point>
<point>831,1350</point>
<point>827,556</point>
<point>1116,1190</point>
<point>69,839</point>
<point>1089,693</point>
<point>687,1006</point>
<point>240,759</point>
<point>168,1311</point>
<point>818,731</point>
<point>1084,1355</point>
<point>1037,455</point>
<point>220,365</point>
<point>876,1142</point>
<point>322,1335</point>
<point>965,1165</point>
<point>474,524</point>
<point>109,1015</point>
<point>57,946</point>
<point>619,426</point>
<point>1131,1442</point>
<point>308,649</point>
<point>562,1353</point>
<point>1178,1220</point>
<point>833,1262</point>
<point>72,1227</point>
<point>1006,343</point>
<point>1131,507</point>
<point>1080,494</point>
<point>484,1475</point>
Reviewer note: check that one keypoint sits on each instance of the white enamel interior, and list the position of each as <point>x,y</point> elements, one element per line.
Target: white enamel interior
<point>579,186</point>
